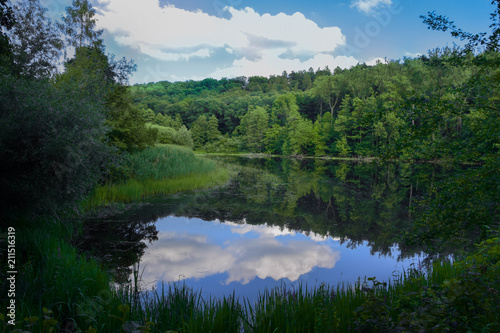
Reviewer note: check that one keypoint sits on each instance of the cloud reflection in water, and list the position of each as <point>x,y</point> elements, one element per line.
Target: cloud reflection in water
<point>196,250</point>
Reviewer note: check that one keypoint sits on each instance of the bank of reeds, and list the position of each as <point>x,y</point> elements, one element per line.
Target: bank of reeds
<point>461,297</point>
<point>283,309</point>
<point>58,289</point>
<point>160,170</point>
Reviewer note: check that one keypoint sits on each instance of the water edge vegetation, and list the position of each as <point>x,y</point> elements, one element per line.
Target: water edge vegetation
<point>62,134</point>
<point>163,169</point>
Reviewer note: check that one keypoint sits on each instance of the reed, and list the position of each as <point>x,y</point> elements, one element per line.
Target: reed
<point>282,309</point>
<point>161,170</point>
<point>58,287</point>
<point>168,161</point>
<point>77,291</point>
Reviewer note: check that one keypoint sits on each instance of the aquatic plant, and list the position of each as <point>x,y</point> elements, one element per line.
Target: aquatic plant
<point>160,170</point>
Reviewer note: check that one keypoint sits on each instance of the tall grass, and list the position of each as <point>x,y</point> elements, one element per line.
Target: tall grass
<point>55,285</point>
<point>166,162</point>
<point>283,309</point>
<point>161,170</point>
<point>60,290</point>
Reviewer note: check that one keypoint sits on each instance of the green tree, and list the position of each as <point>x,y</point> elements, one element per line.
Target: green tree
<point>128,129</point>
<point>52,151</point>
<point>283,108</point>
<point>36,43</point>
<point>274,138</point>
<point>7,21</point>
<point>253,127</point>
<point>330,89</point>
<point>326,134</point>
<point>79,25</point>
<point>149,115</point>
<point>342,147</point>
<point>301,136</point>
<point>163,120</point>
<point>184,137</point>
<point>177,122</point>
<point>199,132</point>
<point>213,129</point>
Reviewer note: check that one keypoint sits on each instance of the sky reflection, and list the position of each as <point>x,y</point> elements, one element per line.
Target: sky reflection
<point>191,248</point>
<point>221,257</point>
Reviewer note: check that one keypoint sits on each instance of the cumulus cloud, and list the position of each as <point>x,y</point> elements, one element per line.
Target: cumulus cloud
<point>368,6</point>
<point>260,44</point>
<point>376,61</point>
<point>182,256</point>
<point>267,257</point>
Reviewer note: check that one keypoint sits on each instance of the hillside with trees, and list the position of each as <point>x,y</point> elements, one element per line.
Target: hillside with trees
<point>423,108</point>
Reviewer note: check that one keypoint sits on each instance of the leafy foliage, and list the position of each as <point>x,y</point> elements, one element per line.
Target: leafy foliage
<point>128,129</point>
<point>466,301</point>
<point>7,21</point>
<point>52,152</point>
<point>37,44</point>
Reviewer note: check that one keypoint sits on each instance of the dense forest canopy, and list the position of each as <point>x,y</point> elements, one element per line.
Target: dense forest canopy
<point>358,112</point>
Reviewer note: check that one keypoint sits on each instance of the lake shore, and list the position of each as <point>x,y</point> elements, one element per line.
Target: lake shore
<point>80,283</point>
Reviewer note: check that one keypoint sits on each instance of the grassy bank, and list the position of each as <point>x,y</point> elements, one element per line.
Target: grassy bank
<point>460,298</point>
<point>165,169</point>
<point>59,290</point>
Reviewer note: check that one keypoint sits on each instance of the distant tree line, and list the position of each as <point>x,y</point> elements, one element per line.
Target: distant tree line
<point>363,111</point>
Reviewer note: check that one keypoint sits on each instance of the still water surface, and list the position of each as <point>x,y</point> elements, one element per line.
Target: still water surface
<point>279,221</point>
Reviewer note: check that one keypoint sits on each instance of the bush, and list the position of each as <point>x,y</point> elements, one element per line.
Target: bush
<point>467,301</point>
<point>168,135</point>
<point>51,146</point>
<point>224,145</point>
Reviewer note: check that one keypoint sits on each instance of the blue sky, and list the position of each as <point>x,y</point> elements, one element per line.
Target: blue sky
<point>179,40</point>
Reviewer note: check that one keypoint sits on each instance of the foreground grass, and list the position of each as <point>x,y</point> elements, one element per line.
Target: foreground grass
<point>58,289</point>
<point>160,170</point>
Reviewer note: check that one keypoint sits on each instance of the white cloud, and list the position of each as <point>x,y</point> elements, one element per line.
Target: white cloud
<point>264,230</point>
<point>368,6</point>
<point>182,256</point>
<point>259,44</point>
<point>375,61</point>
<point>267,257</point>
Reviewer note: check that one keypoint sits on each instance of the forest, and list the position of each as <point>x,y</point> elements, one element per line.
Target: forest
<point>421,109</point>
<point>77,140</point>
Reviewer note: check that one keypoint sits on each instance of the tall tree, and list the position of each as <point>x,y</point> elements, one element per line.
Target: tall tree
<point>7,21</point>
<point>79,25</point>
<point>330,89</point>
<point>199,131</point>
<point>213,129</point>
<point>37,44</point>
<point>253,127</point>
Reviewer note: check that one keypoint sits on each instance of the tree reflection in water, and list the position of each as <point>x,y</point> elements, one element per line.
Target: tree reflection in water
<point>118,243</point>
<point>354,202</point>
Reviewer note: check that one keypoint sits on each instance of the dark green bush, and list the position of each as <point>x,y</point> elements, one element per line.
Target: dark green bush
<point>52,151</point>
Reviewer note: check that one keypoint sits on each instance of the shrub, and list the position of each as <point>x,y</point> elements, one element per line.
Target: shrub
<point>51,145</point>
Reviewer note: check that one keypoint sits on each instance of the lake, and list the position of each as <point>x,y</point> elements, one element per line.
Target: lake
<point>278,222</point>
